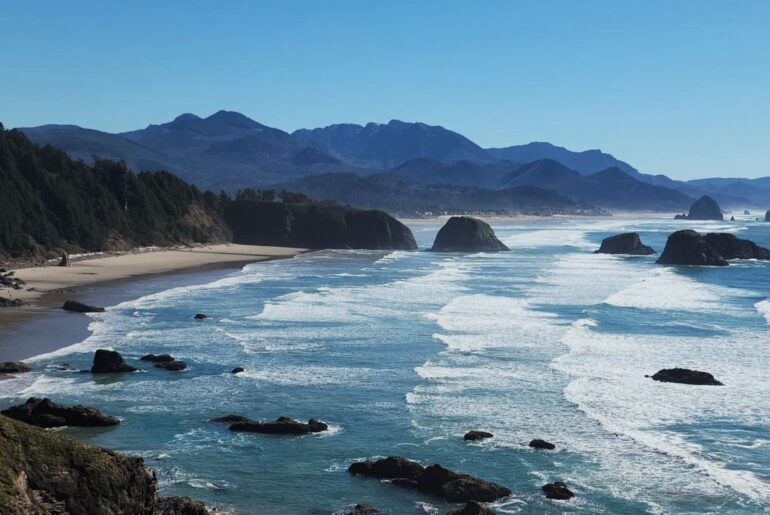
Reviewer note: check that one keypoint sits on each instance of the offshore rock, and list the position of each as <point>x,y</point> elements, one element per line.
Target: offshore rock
<point>79,307</point>
<point>46,413</point>
<point>281,426</point>
<point>732,247</point>
<point>705,208</point>
<point>688,247</point>
<point>109,361</point>
<point>685,376</point>
<point>626,243</point>
<point>466,234</point>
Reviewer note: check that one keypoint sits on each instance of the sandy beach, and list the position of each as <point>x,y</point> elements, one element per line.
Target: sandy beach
<point>102,280</point>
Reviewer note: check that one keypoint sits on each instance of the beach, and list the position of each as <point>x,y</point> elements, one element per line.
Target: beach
<point>40,326</point>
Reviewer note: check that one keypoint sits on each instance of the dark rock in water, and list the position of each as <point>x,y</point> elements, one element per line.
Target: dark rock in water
<point>158,358</point>
<point>541,444</point>
<point>476,435</point>
<point>626,243</point>
<point>558,491</point>
<point>200,316</point>
<point>746,212</point>
<point>685,376</point>
<point>281,426</point>
<point>79,307</point>
<point>688,247</point>
<point>48,473</point>
<point>46,413</point>
<point>13,367</point>
<point>388,468</point>
<point>466,234</point>
<point>109,361</point>
<point>472,508</point>
<point>731,247</point>
<point>435,480</point>
<point>316,226</point>
<point>173,366</point>
<point>363,509</point>
<point>732,218</point>
<point>767,216</point>
<point>236,370</point>
<point>179,506</point>
<point>230,419</point>
<point>705,208</point>
<point>680,217</point>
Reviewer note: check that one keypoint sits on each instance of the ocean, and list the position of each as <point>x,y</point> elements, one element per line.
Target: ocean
<point>401,353</point>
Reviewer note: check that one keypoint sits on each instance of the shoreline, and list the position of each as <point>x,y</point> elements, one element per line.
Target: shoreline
<point>42,326</point>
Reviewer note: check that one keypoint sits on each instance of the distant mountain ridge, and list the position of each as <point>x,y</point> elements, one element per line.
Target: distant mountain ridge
<point>228,150</point>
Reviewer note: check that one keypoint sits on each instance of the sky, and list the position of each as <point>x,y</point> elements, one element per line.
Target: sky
<point>675,87</point>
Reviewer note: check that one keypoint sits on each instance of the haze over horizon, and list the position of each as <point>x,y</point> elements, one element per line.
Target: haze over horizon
<point>669,88</point>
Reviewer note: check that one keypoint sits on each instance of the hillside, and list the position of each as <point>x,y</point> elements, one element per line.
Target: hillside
<point>586,162</point>
<point>383,146</point>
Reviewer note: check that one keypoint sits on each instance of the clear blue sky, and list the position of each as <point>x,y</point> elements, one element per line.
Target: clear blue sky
<point>669,86</point>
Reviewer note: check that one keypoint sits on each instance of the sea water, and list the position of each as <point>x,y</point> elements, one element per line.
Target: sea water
<point>401,353</point>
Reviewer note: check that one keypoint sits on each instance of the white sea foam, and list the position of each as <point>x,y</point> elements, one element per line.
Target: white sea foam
<point>763,307</point>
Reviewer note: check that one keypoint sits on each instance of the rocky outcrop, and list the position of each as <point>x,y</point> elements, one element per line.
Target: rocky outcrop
<point>46,413</point>
<point>731,247</point>
<point>48,473</point>
<point>65,260</point>
<point>200,316</point>
<point>557,491</point>
<point>11,303</point>
<point>626,243</point>
<point>537,443</point>
<point>767,216</point>
<point>363,509</point>
<point>79,307</point>
<point>466,234</point>
<point>685,376</point>
<point>316,226</point>
<point>172,366</point>
<point>158,358</point>
<point>472,508</point>
<point>236,370</point>
<point>280,426</point>
<point>13,367</point>
<point>435,480</point>
<point>7,280</point>
<point>179,506</point>
<point>230,419</point>
<point>705,208</point>
<point>109,361</point>
<point>472,436</point>
<point>688,247</point>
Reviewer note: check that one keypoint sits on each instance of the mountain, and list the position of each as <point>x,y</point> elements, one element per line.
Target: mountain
<point>383,146</point>
<point>586,162</point>
<point>226,150</point>
<point>460,173</point>
<point>401,196</point>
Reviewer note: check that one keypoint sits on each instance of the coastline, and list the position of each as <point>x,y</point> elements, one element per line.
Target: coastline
<point>41,326</point>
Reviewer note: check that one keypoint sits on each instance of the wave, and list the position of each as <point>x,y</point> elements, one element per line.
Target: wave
<point>763,307</point>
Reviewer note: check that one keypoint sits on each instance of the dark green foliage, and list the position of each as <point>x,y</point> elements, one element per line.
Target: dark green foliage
<point>50,202</point>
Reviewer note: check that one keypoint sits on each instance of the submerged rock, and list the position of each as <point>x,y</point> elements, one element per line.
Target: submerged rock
<point>13,367</point>
<point>685,376</point>
<point>230,419</point>
<point>281,426</point>
<point>79,307</point>
<point>434,479</point>
<point>177,505</point>
<point>558,491</point>
<point>200,316</point>
<point>466,234</point>
<point>236,370</point>
<point>626,243</point>
<point>173,366</point>
<point>472,508</point>
<point>109,361</point>
<point>158,358</point>
<point>705,208</point>
<point>46,413</point>
<point>731,247</point>
<point>537,443</point>
<point>43,472</point>
<point>363,509</point>
<point>472,436</point>
<point>688,247</point>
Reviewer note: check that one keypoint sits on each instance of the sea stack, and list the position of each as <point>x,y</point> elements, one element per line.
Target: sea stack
<point>767,216</point>
<point>626,243</point>
<point>705,208</point>
<point>688,247</point>
<point>466,234</point>
<point>732,247</point>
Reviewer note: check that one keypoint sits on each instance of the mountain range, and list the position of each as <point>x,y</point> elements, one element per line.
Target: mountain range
<point>229,151</point>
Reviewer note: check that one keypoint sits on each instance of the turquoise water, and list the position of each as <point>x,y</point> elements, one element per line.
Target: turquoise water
<point>403,352</point>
